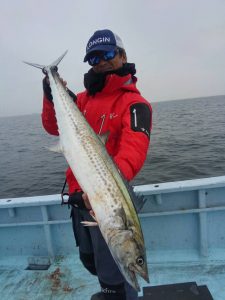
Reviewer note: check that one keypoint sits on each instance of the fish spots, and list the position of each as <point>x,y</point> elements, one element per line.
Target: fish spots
<point>109,189</point>
<point>115,200</point>
<point>91,158</point>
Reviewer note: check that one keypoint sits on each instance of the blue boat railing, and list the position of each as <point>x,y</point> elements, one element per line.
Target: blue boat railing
<point>185,217</point>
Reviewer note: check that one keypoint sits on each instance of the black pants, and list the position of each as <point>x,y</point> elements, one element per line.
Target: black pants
<point>95,254</point>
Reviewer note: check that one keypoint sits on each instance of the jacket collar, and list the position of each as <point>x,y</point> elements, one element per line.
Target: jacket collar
<point>115,83</point>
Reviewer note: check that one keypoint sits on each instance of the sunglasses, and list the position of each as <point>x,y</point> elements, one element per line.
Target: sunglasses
<point>107,55</point>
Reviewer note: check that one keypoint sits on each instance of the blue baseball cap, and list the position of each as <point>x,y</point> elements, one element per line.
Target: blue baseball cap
<point>103,40</point>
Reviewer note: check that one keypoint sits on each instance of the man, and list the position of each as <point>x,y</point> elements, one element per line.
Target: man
<point>111,104</point>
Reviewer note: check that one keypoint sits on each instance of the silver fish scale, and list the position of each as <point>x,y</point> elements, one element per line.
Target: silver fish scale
<point>103,177</point>
<point>99,178</point>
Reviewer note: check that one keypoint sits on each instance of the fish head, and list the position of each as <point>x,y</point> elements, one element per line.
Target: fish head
<point>129,253</point>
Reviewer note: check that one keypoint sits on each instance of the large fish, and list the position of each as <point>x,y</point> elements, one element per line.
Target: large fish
<point>109,195</point>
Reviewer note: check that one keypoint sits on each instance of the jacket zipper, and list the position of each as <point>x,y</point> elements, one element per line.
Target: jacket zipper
<point>102,123</point>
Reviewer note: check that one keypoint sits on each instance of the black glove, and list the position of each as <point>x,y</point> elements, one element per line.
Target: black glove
<point>72,95</point>
<point>46,88</point>
<point>48,92</point>
<point>76,200</point>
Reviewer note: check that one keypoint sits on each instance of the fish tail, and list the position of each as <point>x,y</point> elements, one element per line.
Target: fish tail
<point>51,66</point>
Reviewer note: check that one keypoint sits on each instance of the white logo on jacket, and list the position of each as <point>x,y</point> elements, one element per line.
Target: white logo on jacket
<point>113,115</point>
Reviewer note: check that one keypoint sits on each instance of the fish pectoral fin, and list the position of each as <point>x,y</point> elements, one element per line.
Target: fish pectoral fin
<point>56,148</point>
<point>89,224</point>
<point>92,214</point>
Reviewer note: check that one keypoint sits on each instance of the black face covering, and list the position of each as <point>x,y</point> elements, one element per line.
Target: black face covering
<point>95,82</point>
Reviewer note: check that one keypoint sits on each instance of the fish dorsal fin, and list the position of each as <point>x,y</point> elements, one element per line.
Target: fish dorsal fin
<point>104,137</point>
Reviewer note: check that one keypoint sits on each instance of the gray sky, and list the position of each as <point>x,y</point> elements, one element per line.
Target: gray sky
<point>178,46</point>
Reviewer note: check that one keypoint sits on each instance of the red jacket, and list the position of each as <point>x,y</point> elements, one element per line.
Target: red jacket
<point>118,109</point>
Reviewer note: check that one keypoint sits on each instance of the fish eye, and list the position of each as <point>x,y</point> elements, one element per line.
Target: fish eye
<point>140,261</point>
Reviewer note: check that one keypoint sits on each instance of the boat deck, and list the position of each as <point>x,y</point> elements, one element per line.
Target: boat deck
<point>67,279</point>
<point>183,224</point>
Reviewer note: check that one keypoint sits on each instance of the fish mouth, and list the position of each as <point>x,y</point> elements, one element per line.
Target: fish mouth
<point>132,272</point>
<point>134,281</point>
